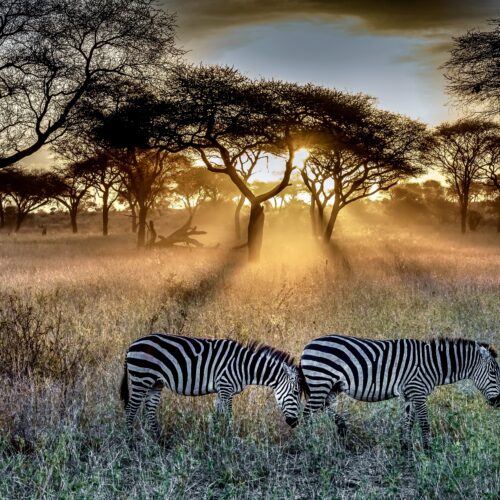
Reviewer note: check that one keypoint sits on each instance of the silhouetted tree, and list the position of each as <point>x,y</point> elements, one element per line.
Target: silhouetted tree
<point>475,218</point>
<point>424,202</point>
<point>473,69</point>
<point>148,175</point>
<point>29,191</point>
<point>105,178</point>
<point>77,181</point>
<point>193,186</point>
<point>223,115</point>
<point>125,195</point>
<point>461,152</point>
<point>56,53</point>
<point>376,151</point>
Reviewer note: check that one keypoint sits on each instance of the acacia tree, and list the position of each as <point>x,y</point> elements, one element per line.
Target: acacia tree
<point>222,115</point>
<point>29,191</point>
<point>56,53</point>
<point>462,153</point>
<point>473,69</point>
<point>148,165</point>
<point>195,185</point>
<point>104,176</point>
<point>76,181</point>
<point>376,151</point>
<point>190,189</point>
<point>490,174</point>
<point>149,175</point>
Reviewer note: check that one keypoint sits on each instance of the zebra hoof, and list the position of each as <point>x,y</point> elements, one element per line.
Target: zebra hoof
<point>342,430</point>
<point>164,442</point>
<point>405,446</point>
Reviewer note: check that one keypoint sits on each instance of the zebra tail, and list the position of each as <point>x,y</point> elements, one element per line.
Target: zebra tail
<point>124,395</point>
<point>304,388</point>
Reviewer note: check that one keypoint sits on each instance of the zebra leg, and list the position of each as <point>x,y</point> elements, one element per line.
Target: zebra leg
<point>137,395</point>
<point>224,404</point>
<point>407,425</point>
<point>152,403</point>
<point>331,408</point>
<point>423,420</point>
<point>317,400</point>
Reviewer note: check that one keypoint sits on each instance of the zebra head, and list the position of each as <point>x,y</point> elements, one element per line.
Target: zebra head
<point>486,374</point>
<point>287,392</point>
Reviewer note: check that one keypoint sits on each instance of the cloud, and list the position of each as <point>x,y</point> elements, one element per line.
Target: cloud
<point>201,18</point>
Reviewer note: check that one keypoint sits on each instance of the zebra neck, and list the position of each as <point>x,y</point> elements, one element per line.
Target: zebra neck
<point>455,360</point>
<point>261,369</point>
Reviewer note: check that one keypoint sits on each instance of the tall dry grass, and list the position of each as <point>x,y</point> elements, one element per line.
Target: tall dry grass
<point>84,298</point>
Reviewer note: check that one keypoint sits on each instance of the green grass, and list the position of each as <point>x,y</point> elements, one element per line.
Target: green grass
<point>63,436</point>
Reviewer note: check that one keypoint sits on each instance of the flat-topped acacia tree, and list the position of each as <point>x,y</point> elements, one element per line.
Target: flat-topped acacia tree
<point>371,153</point>
<point>464,152</point>
<point>29,191</point>
<point>223,116</point>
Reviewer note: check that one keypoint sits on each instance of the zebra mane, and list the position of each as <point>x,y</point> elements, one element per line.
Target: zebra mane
<point>443,341</point>
<point>264,349</point>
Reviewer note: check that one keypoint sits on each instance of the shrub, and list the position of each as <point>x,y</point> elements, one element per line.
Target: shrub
<point>35,342</point>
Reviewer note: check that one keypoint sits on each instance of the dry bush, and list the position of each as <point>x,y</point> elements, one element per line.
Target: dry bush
<point>35,342</point>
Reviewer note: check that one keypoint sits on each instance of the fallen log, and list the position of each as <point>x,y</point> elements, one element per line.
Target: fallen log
<point>182,235</point>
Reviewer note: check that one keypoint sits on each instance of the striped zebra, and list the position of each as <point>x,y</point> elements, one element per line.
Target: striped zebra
<point>194,367</point>
<point>376,370</point>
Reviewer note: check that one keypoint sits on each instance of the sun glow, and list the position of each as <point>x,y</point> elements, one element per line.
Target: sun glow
<point>301,155</point>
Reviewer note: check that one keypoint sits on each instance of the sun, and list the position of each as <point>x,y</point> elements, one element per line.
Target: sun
<point>301,156</point>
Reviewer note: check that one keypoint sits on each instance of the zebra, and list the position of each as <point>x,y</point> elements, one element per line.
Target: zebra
<point>376,370</point>
<point>197,366</point>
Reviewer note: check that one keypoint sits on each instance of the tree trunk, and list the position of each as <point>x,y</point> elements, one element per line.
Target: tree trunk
<point>463,217</point>
<point>20,216</point>
<point>74,226</point>
<point>2,215</point>
<point>327,235</point>
<point>134,218</point>
<point>312,215</point>
<point>255,232</point>
<point>105,212</point>
<point>237,212</point>
<point>141,233</point>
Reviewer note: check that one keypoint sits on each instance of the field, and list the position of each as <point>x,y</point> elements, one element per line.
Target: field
<point>69,306</point>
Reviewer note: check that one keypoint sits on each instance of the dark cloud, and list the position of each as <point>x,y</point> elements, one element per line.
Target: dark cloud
<point>199,18</point>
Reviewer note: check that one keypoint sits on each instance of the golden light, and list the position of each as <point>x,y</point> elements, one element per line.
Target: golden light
<point>301,155</point>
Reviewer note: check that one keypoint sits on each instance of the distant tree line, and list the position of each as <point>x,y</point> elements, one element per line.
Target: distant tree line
<point>103,84</point>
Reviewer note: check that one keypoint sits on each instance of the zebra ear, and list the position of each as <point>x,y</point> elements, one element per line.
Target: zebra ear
<point>485,353</point>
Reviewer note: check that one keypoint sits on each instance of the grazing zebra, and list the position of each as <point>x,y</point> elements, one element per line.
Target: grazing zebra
<point>375,370</point>
<point>193,367</point>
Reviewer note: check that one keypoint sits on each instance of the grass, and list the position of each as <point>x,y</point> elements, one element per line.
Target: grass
<point>62,426</point>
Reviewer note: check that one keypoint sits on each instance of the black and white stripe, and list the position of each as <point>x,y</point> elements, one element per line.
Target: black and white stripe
<point>375,370</point>
<point>194,366</point>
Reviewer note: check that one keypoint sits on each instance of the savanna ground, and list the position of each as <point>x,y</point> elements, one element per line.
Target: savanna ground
<point>70,305</point>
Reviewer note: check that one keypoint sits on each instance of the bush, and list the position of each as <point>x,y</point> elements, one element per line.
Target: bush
<point>35,343</point>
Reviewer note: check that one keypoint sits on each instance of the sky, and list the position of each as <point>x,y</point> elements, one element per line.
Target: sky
<point>389,50</point>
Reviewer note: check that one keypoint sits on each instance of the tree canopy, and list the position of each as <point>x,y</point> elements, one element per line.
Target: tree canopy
<point>56,53</point>
<point>473,70</point>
